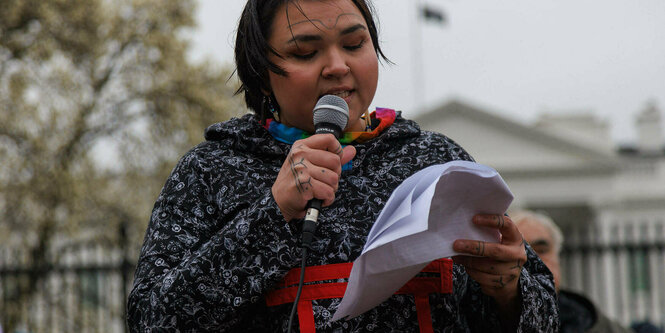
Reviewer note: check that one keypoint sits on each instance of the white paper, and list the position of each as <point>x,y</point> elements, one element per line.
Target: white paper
<point>420,222</point>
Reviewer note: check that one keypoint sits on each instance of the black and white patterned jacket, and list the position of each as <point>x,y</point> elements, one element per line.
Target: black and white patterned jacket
<point>217,242</point>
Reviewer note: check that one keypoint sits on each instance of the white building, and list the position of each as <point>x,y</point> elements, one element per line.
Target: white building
<point>609,201</point>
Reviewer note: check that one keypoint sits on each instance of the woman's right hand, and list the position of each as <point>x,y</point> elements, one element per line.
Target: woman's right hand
<point>311,170</point>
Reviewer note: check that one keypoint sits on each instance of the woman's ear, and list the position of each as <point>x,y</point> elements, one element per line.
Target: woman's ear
<point>269,104</point>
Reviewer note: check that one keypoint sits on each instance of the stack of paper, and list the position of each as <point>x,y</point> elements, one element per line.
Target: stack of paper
<point>420,222</point>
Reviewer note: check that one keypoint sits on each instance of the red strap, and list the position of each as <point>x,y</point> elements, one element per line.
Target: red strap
<point>446,274</point>
<point>423,312</point>
<point>306,317</point>
<point>309,292</point>
<point>420,287</point>
<point>318,273</point>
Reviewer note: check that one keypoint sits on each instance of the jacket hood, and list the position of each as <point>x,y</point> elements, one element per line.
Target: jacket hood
<point>246,133</point>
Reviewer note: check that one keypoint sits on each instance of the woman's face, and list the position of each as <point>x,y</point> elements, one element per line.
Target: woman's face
<point>326,49</point>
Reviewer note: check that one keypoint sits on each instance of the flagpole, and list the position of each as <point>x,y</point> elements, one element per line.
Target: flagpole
<point>417,58</point>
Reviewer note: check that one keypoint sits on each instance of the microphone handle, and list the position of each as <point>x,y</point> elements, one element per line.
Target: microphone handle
<point>311,222</point>
<point>314,205</point>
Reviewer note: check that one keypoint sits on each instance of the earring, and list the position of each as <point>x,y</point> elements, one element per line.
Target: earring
<point>267,102</point>
<point>368,122</point>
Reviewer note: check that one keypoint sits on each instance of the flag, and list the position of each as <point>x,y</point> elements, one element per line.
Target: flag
<point>433,14</point>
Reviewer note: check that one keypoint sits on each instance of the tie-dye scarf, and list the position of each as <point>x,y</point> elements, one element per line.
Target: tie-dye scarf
<point>381,119</point>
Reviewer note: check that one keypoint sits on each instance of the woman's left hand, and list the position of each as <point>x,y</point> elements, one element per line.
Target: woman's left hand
<point>498,266</point>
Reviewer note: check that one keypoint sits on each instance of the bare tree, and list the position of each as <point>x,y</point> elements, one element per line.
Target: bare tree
<point>97,102</point>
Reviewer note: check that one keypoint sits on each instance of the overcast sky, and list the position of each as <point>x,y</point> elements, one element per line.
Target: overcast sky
<point>517,58</point>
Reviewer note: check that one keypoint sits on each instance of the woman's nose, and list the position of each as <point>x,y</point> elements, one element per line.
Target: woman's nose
<point>336,65</point>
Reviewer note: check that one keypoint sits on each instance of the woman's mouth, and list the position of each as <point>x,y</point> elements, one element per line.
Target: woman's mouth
<point>342,94</point>
<point>339,93</point>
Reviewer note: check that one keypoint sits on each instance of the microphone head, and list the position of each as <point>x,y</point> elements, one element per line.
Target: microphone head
<point>331,109</point>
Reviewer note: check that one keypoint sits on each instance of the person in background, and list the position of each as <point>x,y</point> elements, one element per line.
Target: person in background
<point>224,236</point>
<point>577,313</point>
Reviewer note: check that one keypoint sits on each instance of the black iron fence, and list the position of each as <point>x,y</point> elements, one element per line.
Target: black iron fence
<point>621,267</point>
<point>84,287</point>
<point>81,288</point>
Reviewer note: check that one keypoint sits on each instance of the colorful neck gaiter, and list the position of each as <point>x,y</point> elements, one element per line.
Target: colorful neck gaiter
<point>381,119</point>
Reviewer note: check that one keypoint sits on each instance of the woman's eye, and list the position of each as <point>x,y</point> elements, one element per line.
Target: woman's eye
<point>355,46</point>
<point>304,56</point>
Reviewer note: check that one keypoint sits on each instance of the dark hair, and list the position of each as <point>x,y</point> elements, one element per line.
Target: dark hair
<point>252,49</point>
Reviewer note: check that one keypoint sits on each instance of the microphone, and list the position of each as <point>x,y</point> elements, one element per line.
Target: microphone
<point>331,114</point>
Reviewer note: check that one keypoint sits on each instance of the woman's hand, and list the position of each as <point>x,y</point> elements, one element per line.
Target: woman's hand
<point>498,266</point>
<point>311,170</point>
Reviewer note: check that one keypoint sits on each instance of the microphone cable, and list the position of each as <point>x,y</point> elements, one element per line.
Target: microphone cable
<point>308,228</point>
<point>302,279</point>
<point>330,115</point>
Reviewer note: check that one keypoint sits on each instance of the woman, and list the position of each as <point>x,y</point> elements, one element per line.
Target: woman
<point>225,229</point>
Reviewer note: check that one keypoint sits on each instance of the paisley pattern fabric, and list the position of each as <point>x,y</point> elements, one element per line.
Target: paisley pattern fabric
<point>217,242</point>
